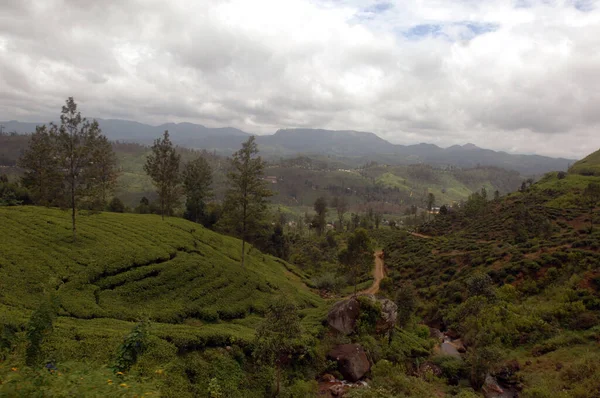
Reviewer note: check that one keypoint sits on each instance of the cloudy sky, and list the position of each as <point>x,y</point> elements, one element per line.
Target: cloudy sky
<point>516,75</point>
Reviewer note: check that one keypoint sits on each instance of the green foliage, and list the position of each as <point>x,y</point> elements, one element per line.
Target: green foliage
<point>197,180</point>
<point>358,254</point>
<point>246,199</point>
<point>589,166</point>
<point>277,335</point>
<point>406,300</point>
<point>13,194</point>
<point>391,381</point>
<point>116,205</point>
<point>162,165</point>
<point>319,222</point>
<point>128,266</point>
<point>71,379</point>
<point>134,345</point>
<point>370,313</point>
<point>38,328</point>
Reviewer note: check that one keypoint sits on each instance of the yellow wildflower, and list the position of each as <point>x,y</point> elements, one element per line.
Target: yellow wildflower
<point>123,385</point>
<point>109,381</point>
<point>159,372</point>
<point>120,373</point>
<point>14,369</point>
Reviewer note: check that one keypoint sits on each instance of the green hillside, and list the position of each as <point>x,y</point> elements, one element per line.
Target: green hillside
<point>589,166</point>
<point>518,279</point>
<point>127,266</point>
<point>185,279</point>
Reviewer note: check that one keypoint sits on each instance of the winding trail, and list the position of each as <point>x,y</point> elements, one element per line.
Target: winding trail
<point>420,235</point>
<point>378,274</point>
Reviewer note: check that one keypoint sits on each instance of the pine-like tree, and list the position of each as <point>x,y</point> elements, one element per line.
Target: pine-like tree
<point>357,257</point>
<point>246,200</point>
<point>162,165</point>
<point>42,165</point>
<point>197,180</point>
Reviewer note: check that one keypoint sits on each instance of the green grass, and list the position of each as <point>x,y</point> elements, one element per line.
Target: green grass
<point>127,267</point>
<point>589,166</point>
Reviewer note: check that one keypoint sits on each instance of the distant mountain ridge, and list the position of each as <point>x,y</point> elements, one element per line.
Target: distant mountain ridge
<point>365,146</point>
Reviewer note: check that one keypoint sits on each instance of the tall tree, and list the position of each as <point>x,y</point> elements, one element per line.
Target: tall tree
<point>357,257</point>
<point>319,221</point>
<point>77,140</point>
<point>430,203</point>
<point>591,199</point>
<point>341,207</point>
<point>42,165</point>
<point>197,180</point>
<point>246,200</point>
<point>276,335</point>
<point>162,165</point>
<point>377,219</point>
<point>104,167</point>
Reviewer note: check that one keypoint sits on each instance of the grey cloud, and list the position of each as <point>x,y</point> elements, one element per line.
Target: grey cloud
<point>529,84</point>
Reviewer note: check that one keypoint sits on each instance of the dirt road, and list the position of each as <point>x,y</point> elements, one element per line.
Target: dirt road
<point>420,235</point>
<point>378,274</point>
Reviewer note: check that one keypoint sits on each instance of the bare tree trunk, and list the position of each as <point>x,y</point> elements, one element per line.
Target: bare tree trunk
<point>244,226</point>
<point>243,249</point>
<point>73,211</point>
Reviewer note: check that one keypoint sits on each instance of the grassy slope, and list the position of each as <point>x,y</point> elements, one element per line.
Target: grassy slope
<point>125,267</point>
<point>590,165</point>
<point>554,274</point>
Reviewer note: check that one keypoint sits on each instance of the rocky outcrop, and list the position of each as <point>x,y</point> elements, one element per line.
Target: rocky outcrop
<point>389,314</point>
<point>352,361</point>
<point>344,314</point>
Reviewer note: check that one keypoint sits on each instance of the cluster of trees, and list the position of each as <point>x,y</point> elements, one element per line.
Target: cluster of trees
<point>369,220</point>
<point>245,202</point>
<point>70,165</point>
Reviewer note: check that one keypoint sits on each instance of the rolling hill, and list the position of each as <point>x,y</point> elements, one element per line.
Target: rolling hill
<point>518,279</point>
<point>589,166</point>
<point>186,279</point>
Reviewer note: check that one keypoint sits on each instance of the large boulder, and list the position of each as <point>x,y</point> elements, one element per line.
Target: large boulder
<point>389,314</point>
<point>344,314</point>
<point>352,361</point>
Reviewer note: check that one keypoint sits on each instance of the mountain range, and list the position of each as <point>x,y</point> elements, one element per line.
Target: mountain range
<point>360,146</point>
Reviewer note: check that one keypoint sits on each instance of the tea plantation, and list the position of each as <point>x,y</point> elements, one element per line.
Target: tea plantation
<point>124,268</point>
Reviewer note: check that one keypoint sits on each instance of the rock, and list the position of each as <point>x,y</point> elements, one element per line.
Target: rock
<point>338,390</point>
<point>430,367</point>
<point>343,315</point>
<point>436,334</point>
<point>507,373</point>
<point>328,378</point>
<point>491,387</point>
<point>389,314</point>
<point>352,361</point>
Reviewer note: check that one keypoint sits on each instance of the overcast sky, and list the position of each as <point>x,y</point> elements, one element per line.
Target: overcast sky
<point>520,75</point>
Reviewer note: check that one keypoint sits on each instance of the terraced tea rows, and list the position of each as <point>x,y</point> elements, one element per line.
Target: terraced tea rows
<point>128,266</point>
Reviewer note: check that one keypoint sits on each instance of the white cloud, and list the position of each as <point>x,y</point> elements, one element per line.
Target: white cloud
<point>523,77</point>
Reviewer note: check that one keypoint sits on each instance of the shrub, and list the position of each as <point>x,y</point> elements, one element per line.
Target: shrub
<point>133,346</point>
<point>116,205</point>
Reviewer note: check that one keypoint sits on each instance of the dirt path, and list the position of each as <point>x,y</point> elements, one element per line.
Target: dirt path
<point>378,274</point>
<point>420,235</point>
